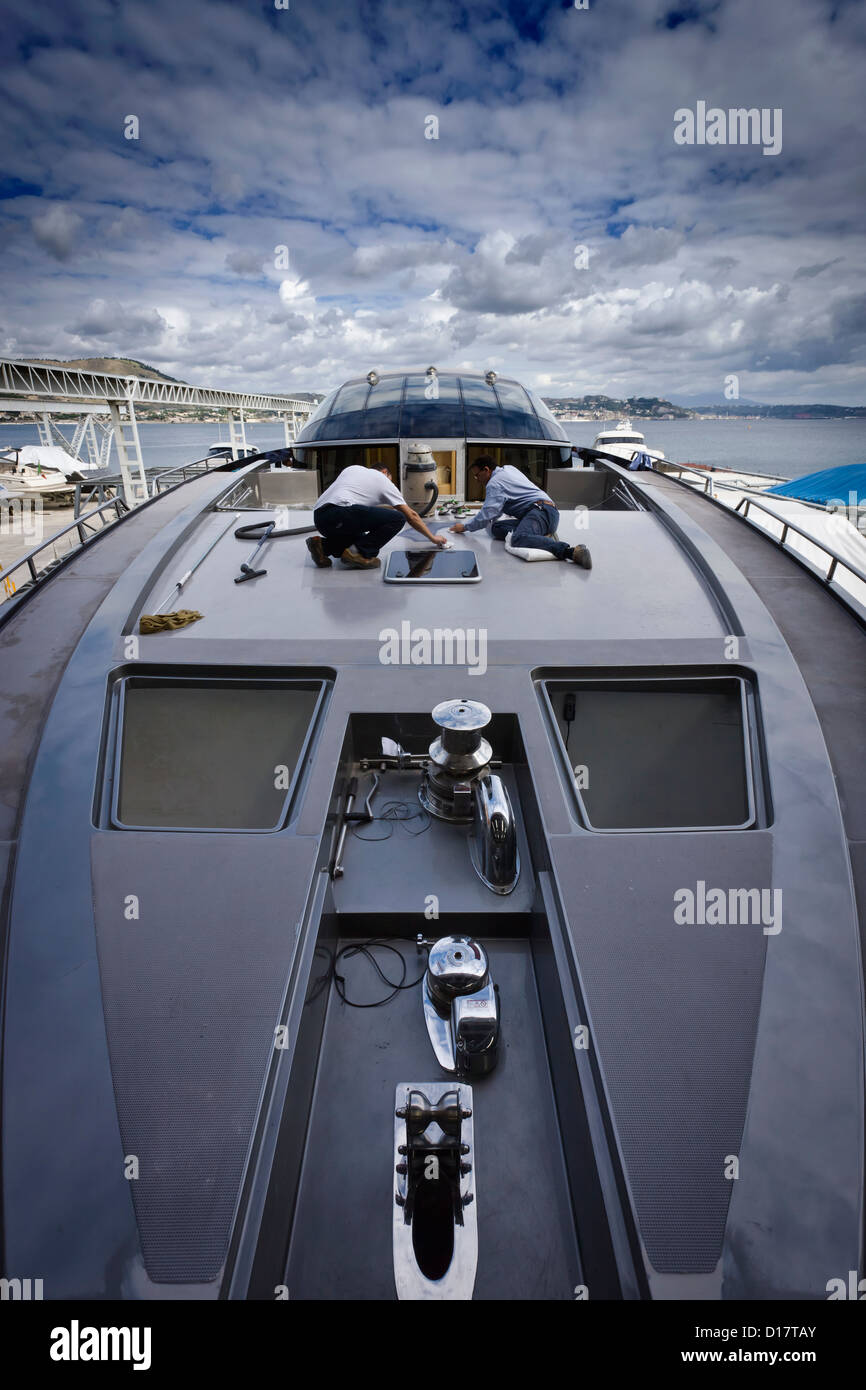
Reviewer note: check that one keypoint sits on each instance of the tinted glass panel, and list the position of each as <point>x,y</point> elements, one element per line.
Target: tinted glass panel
<point>432,406</point>
<point>317,419</point>
<point>518,417</point>
<point>347,412</point>
<point>481,413</point>
<point>552,428</point>
<point>382,416</point>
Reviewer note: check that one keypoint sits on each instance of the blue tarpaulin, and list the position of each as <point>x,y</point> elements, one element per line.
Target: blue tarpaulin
<point>830,485</point>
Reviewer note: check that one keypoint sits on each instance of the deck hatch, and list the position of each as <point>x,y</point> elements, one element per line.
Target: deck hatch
<point>209,754</point>
<point>657,753</point>
<point>459,566</point>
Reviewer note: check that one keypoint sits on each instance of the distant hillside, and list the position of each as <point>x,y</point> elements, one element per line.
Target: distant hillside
<point>599,407</point>
<point>714,401</point>
<point>116,366</point>
<point>654,408</point>
<point>783,412</point>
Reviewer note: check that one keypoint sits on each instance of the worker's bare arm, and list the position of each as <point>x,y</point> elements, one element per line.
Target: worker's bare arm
<point>417,524</point>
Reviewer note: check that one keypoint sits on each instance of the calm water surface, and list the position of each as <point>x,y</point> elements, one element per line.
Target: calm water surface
<point>787,447</point>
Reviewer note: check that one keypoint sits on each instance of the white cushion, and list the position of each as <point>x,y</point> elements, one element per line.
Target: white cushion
<point>523,554</point>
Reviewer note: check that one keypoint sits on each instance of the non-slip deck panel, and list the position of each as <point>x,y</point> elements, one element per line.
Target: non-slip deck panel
<point>192,990</point>
<point>673,1012</point>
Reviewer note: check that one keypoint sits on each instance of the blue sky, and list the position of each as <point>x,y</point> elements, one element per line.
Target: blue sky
<point>305,128</point>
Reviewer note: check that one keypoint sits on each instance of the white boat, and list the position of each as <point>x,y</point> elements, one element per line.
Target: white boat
<point>623,441</point>
<point>46,471</point>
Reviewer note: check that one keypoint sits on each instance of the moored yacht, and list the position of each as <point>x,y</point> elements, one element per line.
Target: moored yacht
<point>623,441</point>
<point>464,928</point>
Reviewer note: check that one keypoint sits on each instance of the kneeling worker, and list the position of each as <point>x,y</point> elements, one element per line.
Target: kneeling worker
<point>535,517</point>
<point>358,514</point>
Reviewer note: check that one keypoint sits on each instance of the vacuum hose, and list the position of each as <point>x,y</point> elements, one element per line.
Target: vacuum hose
<point>433,500</point>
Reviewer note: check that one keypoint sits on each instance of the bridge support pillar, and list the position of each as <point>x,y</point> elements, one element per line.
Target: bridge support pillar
<point>237,433</point>
<point>129,454</point>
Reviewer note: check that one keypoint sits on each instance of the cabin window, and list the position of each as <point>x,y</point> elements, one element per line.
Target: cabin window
<point>552,428</point>
<point>346,419</point>
<point>530,460</point>
<point>321,411</point>
<point>518,418</point>
<point>200,754</point>
<point>382,415</point>
<point>330,462</point>
<point>482,415</point>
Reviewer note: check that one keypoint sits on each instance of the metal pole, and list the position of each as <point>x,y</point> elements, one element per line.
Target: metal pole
<point>180,583</point>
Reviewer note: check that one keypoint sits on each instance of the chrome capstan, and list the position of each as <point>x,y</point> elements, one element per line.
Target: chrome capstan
<point>458,785</point>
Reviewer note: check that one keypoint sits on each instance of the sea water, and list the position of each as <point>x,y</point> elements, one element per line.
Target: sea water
<point>790,448</point>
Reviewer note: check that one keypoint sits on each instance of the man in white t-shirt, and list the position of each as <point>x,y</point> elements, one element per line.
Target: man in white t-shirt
<point>358,514</point>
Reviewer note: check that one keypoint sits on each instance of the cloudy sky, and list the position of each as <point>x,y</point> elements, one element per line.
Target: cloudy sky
<point>307,128</point>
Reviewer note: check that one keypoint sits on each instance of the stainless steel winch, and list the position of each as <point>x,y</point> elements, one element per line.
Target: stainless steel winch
<point>458,758</point>
<point>458,785</point>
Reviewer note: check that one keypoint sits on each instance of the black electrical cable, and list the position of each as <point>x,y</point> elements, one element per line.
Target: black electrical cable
<point>363,948</point>
<point>395,813</point>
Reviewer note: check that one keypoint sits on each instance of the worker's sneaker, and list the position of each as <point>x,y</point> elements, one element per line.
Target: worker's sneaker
<point>357,561</point>
<point>317,550</point>
<point>580,556</point>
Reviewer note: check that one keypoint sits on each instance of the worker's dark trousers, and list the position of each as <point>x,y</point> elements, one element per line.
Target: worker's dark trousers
<point>366,528</point>
<point>532,531</point>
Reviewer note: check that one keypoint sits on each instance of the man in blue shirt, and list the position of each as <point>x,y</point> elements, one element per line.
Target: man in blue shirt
<point>508,490</point>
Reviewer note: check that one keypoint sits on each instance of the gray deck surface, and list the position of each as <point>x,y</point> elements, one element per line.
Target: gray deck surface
<point>297,601</point>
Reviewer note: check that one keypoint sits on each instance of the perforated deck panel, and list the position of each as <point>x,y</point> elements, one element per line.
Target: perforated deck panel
<point>191,1002</point>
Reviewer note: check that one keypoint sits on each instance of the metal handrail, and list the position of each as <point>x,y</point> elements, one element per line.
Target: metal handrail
<point>8,588</point>
<point>172,476</point>
<point>704,478</point>
<point>835,558</point>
